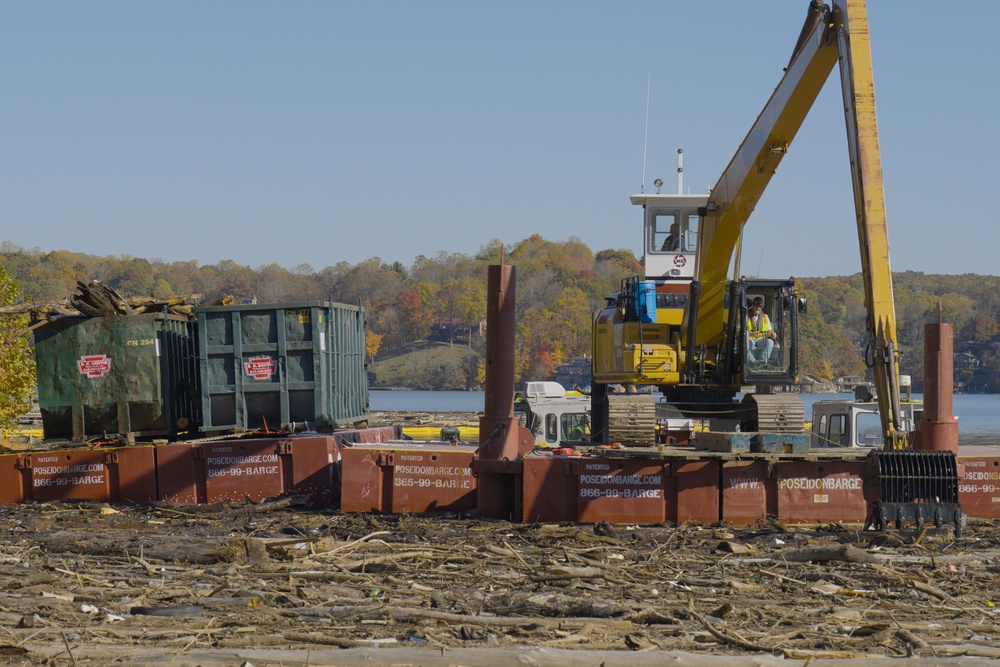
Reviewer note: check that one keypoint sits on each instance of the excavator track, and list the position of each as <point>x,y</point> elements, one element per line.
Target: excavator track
<point>632,419</point>
<point>777,413</point>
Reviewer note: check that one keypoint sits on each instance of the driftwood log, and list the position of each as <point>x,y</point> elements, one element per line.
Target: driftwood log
<point>830,552</point>
<point>95,299</point>
<point>180,549</point>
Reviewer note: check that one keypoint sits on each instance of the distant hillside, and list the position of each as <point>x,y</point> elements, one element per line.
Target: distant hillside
<point>559,287</point>
<point>426,365</point>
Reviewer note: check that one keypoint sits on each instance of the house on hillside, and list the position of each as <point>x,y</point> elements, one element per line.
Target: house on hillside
<point>809,384</point>
<point>847,383</point>
<point>457,330</point>
<point>965,360</point>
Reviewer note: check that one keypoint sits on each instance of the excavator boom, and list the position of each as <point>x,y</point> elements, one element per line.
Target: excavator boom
<point>828,37</point>
<point>744,180</point>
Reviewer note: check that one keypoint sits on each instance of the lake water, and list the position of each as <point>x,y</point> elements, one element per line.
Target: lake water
<point>978,414</point>
<point>427,401</point>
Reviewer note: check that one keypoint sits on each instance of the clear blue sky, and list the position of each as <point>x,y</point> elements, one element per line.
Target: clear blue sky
<point>319,132</point>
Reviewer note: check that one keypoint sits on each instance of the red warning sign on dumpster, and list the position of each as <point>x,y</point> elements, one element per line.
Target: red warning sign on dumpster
<point>260,368</point>
<point>94,365</point>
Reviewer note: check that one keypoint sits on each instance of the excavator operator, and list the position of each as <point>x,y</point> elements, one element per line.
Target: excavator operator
<point>760,332</point>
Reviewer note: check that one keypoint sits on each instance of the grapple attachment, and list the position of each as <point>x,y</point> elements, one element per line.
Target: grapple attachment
<point>912,487</point>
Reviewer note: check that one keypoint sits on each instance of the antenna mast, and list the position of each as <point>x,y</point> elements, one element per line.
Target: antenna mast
<point>680,171</point>
<point>645,133</point>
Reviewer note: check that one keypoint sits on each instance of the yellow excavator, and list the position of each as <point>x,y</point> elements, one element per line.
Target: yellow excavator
<point>690,327</point>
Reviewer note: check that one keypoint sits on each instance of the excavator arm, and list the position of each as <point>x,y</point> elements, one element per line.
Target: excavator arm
<point>858,86</point>
<point>829,36</point>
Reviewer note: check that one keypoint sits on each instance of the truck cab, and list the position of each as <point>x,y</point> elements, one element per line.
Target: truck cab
<point>556,416</point>
<point>857,422</point>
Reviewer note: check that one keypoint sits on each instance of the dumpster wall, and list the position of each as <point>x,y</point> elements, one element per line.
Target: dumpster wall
<point>267,367</point>
<point>105,376</point>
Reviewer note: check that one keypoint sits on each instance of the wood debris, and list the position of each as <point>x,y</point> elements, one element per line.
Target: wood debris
<point>97,299</point>
<point>205,581</point>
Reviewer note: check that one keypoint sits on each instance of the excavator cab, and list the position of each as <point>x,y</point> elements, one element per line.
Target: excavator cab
<point>764,319</point>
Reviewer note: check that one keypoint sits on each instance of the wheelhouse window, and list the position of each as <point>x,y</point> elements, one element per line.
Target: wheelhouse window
<point>673,230</point>
<point>663,240</point>
<point>689,239</point>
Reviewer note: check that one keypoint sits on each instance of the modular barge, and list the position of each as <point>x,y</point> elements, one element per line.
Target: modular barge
<point>280,409</point>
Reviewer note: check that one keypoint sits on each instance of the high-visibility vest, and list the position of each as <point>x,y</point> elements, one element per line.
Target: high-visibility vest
<point>757,332</point>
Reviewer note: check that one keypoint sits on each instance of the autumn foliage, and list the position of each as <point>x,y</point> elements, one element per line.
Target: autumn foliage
<point>560,285</point>
<point>17,365</point>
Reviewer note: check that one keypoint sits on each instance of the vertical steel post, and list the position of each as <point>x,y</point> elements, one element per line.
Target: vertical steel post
<point>939,428</point>
<point>498,435</point>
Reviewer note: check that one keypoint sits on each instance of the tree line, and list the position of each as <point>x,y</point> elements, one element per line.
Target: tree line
<point>559,287</point>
